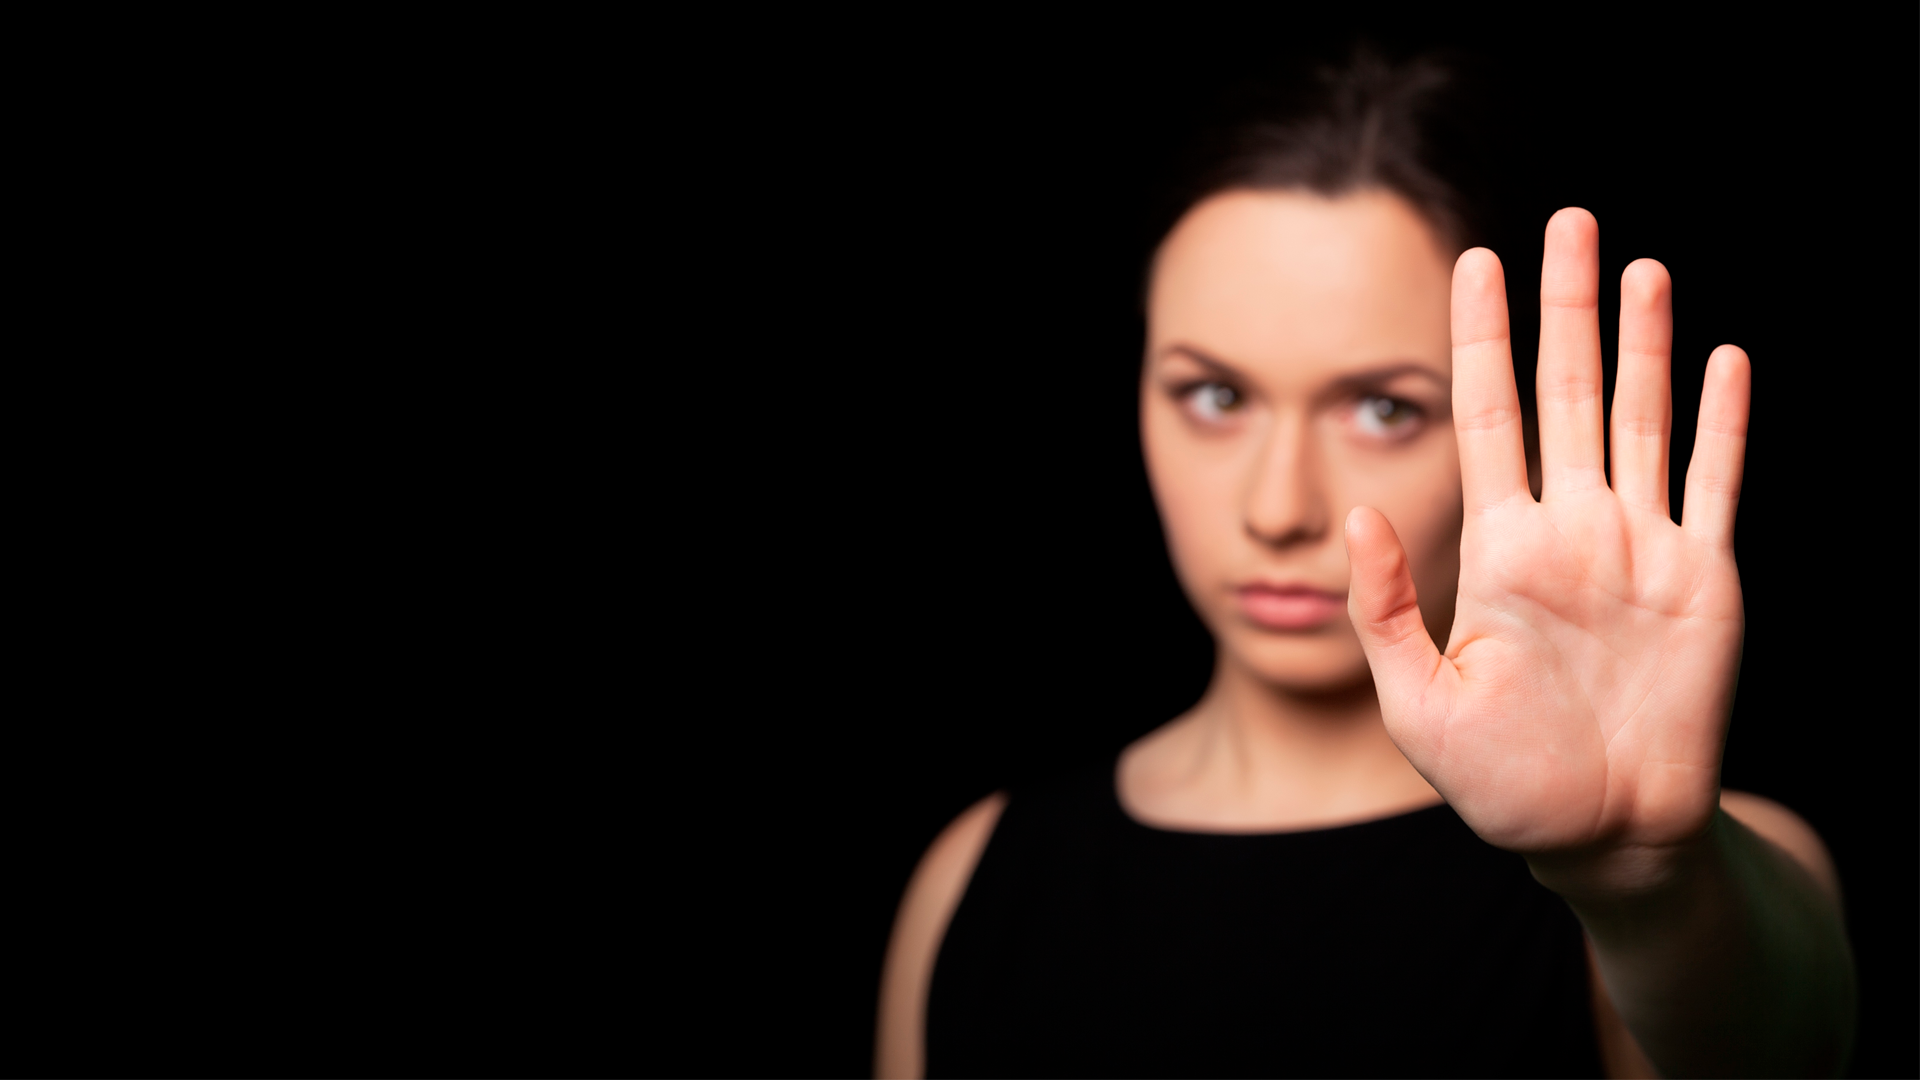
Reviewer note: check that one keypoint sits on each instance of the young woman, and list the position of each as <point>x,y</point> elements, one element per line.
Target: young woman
<point>1451,802</point>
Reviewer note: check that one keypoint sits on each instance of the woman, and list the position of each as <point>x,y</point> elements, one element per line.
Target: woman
<point>1450,803</point>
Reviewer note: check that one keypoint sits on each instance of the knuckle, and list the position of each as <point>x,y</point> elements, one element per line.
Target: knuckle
<point>1488,418</point>
<point>1642,427</point>
<point>1718,484</point>
<point>1570,390</point>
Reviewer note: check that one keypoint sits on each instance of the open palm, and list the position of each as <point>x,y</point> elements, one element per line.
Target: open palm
<point>1581,703</point>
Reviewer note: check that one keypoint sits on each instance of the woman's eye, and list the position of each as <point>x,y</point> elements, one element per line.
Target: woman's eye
<point>1213,401</point>
<point>1386,417</point>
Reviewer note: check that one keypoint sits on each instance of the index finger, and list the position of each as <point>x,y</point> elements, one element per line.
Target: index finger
<point>1486,408</point>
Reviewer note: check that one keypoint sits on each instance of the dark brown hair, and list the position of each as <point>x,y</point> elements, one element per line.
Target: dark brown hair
<point>1368,123</point>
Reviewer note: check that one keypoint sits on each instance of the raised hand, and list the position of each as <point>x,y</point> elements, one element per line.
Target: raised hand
<point>1581,704</point>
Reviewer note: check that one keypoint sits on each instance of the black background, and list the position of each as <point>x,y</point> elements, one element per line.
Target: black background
<point>892,481</point>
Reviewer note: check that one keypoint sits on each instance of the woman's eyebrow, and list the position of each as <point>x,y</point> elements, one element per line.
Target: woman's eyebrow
<point>1373,377</point>
<point>1358,380</point>
<point>1218,367</point>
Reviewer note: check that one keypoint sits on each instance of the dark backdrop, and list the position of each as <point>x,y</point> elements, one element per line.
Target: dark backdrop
<point>903,465</point>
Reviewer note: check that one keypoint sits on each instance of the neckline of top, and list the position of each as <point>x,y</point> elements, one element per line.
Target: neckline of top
<point>1119,807</point>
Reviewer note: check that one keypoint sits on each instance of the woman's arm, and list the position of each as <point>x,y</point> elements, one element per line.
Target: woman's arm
<point>1578,713</point>
<point>1680,979</point>
<point>1782,829</point>
<point>932,895</point>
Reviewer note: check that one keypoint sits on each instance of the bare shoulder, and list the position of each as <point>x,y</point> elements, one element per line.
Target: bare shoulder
<point>1785,830</point>
<point>918,928</point>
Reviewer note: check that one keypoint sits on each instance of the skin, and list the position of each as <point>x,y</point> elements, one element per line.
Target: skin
<point>1328,401</point>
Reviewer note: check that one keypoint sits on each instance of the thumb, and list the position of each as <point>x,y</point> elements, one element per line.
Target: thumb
<point>1385,610</point>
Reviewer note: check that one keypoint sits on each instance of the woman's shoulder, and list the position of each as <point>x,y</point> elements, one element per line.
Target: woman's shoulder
<point>1063,804</point>
<point>940,879</point>
<point>932,894</point>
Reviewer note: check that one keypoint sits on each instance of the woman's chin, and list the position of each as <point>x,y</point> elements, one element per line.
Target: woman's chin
<point>1307,663</point>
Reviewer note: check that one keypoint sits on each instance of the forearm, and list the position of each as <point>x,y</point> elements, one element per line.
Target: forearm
<point>1727,958</point>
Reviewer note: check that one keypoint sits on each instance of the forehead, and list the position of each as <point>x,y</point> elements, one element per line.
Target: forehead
<point>1285,280</point>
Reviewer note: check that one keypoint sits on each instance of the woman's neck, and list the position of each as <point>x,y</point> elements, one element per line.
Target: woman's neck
<point>1253,757</point>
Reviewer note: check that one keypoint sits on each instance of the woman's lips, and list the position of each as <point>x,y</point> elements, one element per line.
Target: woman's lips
<point>1291,607</point>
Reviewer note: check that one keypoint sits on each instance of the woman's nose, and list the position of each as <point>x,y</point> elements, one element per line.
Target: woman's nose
<point>1285,498</point>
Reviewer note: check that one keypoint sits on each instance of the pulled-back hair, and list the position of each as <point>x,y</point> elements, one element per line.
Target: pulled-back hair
<point>1369,123</point>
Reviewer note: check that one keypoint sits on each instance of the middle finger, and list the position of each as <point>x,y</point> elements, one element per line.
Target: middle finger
<point>1572,455</point>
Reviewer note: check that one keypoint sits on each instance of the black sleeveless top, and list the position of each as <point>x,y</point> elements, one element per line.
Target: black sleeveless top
<point>1089,944</point>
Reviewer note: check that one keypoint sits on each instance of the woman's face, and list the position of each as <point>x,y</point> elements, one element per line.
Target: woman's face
<point>1299,365</point>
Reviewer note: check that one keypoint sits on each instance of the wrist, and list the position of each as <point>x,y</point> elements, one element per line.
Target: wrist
<point>1632,882</point>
